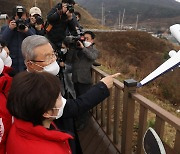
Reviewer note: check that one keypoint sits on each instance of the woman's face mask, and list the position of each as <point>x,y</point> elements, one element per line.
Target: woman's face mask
<point>8,61</point>
<point>63,50</point>
<point>61,109</point>
<point>6,58</point>
<point>1,65</point>
<point>3,54</point>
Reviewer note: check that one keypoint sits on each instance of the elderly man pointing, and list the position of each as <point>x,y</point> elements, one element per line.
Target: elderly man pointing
<point>39,56</point>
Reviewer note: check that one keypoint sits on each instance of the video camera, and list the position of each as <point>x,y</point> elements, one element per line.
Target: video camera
<point>73,41</point>
<point>70,8</point>
<point>21,24</point>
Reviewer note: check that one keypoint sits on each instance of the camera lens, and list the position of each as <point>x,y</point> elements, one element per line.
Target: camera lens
<point>39,20</point>
<point>21,27</point>
<point>20,24</point>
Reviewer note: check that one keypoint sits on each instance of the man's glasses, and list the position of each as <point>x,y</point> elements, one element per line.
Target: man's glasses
<point>48,59</point>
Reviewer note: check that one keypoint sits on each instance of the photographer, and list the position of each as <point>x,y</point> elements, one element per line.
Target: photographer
<point>82,56</point>
<point>14,34</point>
<point>59,19</point>
<point>66,73</point>
<point>78,18</point>
<point>36,20</point>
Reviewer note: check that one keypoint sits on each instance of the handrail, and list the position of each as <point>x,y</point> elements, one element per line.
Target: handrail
<point>116,116</point>
<point>165,115</point>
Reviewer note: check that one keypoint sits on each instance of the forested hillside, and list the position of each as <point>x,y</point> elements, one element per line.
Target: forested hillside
<point>136,54</point>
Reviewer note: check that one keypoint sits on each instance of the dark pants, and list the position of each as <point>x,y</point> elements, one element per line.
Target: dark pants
<point>80,89</point>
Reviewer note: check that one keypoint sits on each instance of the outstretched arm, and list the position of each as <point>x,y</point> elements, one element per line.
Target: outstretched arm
<point>91,98</point>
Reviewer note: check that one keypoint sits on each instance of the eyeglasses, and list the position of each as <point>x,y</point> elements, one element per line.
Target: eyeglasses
<point>48,59</point>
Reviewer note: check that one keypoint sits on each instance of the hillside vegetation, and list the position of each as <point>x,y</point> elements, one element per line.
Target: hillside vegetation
<point>87,20</point>
<point>136,54</point>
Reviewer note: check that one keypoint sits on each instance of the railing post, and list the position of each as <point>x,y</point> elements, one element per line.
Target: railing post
<point>142,128</point>
<point>159,126</point>
<point>117,111</point>
<point>128,116</point>
<point>177,142</point>
<point>98,106</point>
<point>109,113</point>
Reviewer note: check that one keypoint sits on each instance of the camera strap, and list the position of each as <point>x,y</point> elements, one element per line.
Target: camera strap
<point>48,28</point>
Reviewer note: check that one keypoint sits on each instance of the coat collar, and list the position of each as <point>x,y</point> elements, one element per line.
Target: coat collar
<point>37,132</point>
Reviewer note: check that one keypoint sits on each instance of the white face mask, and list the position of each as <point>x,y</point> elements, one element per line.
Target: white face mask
<point>61,109</point>
<point>8,61</point>
<point>87,44</point>
<point>63,50</point>
<point>3,54</point>
<point>1,65</point>
<point>52,68</point>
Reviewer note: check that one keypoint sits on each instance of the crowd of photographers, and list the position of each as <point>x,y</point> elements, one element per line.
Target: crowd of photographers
<point>73,48</point>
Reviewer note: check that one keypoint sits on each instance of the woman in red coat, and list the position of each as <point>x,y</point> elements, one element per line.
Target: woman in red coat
<point>5,83</point>
<point>5,116</point>
<point>35,101</point>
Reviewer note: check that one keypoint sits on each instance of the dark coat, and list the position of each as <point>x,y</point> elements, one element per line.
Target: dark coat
<point>74,108</point>
<point>14,40</point>
<point>59,23</point>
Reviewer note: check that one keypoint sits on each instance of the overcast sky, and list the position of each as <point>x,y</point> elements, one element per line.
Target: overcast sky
<point>177,0</point>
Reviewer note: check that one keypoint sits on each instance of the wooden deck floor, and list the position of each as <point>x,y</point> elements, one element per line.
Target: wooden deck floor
<point>94,141</point>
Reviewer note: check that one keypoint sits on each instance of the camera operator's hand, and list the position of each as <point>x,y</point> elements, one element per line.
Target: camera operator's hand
<point>69,15</point>
<point>60,12</point>
<point>24,30</point>
<point>108,80</point>
<point>12,24</point>
<point>38,26</point>
<point>80,44</point>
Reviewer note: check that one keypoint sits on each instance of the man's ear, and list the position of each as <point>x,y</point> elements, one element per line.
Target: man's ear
<point>29,64</point>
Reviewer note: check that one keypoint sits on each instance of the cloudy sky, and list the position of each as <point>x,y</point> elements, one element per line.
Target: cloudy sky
<point>177,0</point>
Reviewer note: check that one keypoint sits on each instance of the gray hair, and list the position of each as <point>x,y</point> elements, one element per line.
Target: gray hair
<point>30,43</point>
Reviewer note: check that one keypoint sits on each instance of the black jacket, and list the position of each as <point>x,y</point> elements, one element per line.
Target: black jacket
<point>59,23</point>
<point>74,108</point>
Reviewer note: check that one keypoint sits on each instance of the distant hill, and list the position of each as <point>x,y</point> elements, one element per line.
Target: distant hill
<point>86,19</point>
<point>149,11</point>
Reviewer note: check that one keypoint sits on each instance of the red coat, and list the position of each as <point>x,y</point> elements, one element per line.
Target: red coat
<point>5,117</point>
<point>24,138</point>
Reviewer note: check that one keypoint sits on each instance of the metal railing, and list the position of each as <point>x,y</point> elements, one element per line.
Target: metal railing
<point>116,116</point>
